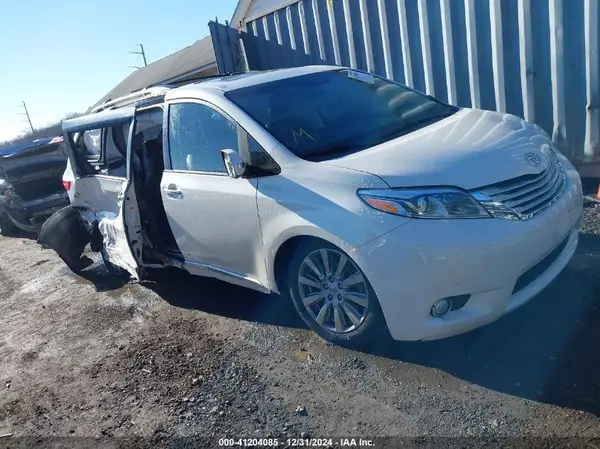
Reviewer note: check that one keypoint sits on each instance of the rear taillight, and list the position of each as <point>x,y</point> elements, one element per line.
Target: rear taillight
<point>67,185</point>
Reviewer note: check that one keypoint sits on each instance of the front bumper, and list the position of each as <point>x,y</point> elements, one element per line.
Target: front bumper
<point>30,215</point>
<point>413,266</point>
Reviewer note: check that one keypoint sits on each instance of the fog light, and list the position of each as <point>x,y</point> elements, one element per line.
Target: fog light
<point>441,307</point>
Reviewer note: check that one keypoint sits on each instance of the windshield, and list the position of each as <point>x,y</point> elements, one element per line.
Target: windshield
<point>334,113</point>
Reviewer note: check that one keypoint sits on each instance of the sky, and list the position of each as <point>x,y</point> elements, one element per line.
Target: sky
<point>62,56</point>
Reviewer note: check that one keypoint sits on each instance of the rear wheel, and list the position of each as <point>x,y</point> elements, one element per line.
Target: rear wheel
<point>7,227</point>
<point>333,296</point>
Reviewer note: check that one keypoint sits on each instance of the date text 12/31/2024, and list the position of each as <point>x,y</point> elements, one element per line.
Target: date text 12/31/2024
<point>295,442</point>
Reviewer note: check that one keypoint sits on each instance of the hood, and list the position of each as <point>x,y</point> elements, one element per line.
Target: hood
<point>32,170</point>
<point>470,149</point>
<point>39,146</point>
<point>32,161</point>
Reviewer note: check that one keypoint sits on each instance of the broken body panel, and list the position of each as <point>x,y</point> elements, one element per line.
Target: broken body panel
<point>114,231</point>
<point>31,188</point>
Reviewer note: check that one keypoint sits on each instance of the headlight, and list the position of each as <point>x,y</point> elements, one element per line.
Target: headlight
<point>425,203</point>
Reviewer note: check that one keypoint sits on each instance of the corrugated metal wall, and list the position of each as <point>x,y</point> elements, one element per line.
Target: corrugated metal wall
<point>537,59</point>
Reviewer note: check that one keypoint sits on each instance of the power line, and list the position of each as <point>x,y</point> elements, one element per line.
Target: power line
<point>143,53</point>
<point>28,117</point>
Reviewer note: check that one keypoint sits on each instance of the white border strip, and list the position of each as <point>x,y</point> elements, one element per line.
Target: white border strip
<point>315,7</point>
<point>526,57</point>
<point>472,54</point>
<point>448,52</point>
<point>290,24</point>
<point>349,34</point>
<point>266,28</point>
<point>406,61</point>
<point>498,54</point>
<point>334,35</point>
<point>592,63</point>
<point>426,47</point>
<point>277,27</point>
<point>303,28</point>
<point>366,29</point>
<point>385,37</point>
<point>559,133</point>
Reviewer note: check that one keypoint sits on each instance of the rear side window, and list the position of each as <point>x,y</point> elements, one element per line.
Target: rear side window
<point>116,141</point>
<point>197,134</point>
<point>91,144</point>
<point>105,149</point>
<point>148,126</point>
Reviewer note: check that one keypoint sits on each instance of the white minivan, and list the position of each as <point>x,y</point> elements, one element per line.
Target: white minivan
<point>368,204</point>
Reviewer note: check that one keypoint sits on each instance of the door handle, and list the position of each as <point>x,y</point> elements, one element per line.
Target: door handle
<point>172,191</point>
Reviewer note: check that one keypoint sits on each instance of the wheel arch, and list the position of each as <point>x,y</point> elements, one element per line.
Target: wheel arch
<point>277,264</point>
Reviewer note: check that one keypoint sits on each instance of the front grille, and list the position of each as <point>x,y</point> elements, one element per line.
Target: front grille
<point>529,194</point>
<point>537,270</point>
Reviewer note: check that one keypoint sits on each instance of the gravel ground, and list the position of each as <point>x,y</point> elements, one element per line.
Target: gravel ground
<point>182,358</point>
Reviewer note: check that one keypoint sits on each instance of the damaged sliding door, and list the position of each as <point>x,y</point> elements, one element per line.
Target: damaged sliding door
<point>110,223</point>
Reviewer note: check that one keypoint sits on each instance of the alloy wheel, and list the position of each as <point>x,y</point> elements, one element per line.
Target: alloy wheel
<point>333,290</point>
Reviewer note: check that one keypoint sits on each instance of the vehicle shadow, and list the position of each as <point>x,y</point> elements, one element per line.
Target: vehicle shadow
<point>95,272</point>
<point>183,290</point>
<point>19,234</point>
<point>547,351</point>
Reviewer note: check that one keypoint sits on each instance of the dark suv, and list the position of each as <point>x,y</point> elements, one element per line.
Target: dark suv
<point>31,186</point>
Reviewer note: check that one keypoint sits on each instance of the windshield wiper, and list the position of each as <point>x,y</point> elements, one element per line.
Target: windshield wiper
<point>432,117</point>
<point>414,126</point>
<point>345,148</point>
<point>334,150</point>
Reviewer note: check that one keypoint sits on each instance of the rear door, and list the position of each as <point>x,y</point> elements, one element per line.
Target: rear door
<point>213,217</point>
<point>107,198</point>
<point>121,233</point>
<point>96,145</point>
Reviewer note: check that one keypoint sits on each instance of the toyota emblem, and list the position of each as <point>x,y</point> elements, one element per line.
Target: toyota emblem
<point>533,159</point>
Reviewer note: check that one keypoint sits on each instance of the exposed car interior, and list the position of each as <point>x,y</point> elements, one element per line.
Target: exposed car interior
<point>147,168</point>
<point>103,151</point>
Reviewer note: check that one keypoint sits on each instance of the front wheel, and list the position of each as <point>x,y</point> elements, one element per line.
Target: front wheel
<point>333,296</point>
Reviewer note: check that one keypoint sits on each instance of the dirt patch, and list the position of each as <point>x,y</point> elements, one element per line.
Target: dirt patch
<point>94,359</point>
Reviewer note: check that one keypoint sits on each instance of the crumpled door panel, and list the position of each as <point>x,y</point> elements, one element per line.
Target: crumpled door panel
<point>71,229</point>
<point>67,233</point>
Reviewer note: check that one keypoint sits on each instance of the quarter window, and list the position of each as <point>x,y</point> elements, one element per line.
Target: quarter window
<point>104,149</point>
<point>197,134</point>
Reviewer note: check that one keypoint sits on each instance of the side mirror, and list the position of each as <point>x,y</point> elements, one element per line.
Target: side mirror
<point>234,164</point>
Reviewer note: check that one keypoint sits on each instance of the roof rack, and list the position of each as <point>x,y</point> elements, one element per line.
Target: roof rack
<point>196,79</point>
<point>143,94</point>
<point>155,91</point>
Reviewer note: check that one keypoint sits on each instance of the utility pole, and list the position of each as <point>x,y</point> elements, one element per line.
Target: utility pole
<point>141,52</point>
<point>28,117</point>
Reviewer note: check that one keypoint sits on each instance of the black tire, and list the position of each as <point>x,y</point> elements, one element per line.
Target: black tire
<point>7,227</point>
<point>111,268</point>
<point>373,326</point>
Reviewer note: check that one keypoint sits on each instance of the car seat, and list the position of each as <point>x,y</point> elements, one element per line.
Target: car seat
<point>154,212</point>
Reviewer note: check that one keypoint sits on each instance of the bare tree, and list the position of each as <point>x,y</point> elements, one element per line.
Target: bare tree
<point>52,130</point>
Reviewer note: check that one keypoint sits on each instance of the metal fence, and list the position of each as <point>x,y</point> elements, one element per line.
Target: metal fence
<point>537,59</point>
